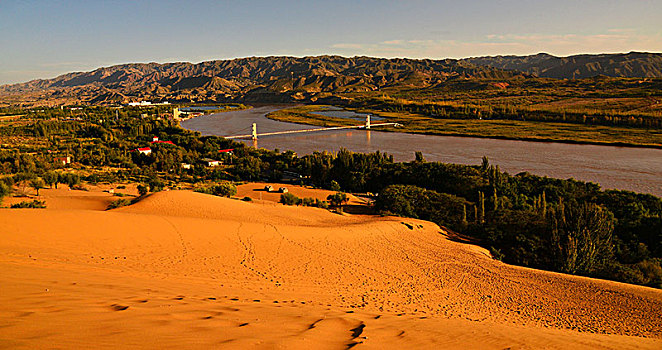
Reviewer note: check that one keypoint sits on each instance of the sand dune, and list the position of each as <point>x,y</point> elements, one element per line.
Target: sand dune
<point>187,270</point>
<point>256,191</point>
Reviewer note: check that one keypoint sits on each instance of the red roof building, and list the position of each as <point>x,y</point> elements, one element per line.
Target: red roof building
<point>168,142</point>
<point>144,150</point>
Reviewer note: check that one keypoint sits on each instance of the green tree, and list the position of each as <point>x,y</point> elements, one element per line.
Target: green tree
<point>224,189</point>
<point>5,190</point>
<point>290,199</point>
<point>142,189</point>
<point>334,186</point>
<point>155,184</point>
<point>581,237</point>
<point>70,179</point>
<point>419,157</point>
<point>481,201</point>
<point>337,199</point>
<point>37,183</point>
<point>51,178</point>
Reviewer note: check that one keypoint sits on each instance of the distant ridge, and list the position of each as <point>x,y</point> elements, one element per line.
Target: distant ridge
<point>625,65</point>
<point>315,79</point>
<point>253,78</point>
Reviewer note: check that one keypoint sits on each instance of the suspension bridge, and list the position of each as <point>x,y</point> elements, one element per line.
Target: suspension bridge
<point>254,134</point>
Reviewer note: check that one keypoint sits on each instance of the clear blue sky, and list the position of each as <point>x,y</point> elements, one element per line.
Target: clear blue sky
<point>42,39</point>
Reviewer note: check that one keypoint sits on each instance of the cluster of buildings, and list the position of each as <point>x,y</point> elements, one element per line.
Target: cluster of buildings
<point>148,150</point>
<point>207,161</point>
<point>147,104</point>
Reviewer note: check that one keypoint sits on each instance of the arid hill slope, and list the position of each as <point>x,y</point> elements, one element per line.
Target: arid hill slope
<point>253,78</point>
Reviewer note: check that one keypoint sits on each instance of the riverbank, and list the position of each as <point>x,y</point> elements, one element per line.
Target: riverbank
<point>235,108</point>
<point>490,129</point>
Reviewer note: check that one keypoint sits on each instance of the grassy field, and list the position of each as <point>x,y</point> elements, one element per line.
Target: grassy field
<point>501,129</point>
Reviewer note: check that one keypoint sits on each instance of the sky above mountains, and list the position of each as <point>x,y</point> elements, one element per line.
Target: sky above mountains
<point>42,39</point>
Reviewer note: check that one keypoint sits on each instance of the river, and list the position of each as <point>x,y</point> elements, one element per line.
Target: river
<point>626,168</point>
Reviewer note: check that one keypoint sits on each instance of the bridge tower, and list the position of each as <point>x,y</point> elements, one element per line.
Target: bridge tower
<point>367,121</point>
<point>254,133</point>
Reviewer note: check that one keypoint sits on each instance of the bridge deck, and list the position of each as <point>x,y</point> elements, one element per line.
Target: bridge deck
<point>310,130</point>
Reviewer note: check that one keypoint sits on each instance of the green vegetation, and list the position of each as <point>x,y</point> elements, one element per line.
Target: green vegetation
<point>37,183</point>
<point>490,128</point>
<point>119,203</point>
<point>337,199</point>
<point>223,189</point>
<point>5,189</point>
<point>29,204</point>
<point>290,199</point>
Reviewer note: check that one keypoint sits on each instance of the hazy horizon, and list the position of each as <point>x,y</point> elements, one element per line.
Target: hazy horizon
<point>43,39</point>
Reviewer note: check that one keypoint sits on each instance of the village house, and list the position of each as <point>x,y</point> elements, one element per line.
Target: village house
<point>211,162</point>
<point>144,150</point>
<point>64,160</point>
<point>155,139</point>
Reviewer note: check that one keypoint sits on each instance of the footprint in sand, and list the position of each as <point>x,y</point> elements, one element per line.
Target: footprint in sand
<point>118,307</point>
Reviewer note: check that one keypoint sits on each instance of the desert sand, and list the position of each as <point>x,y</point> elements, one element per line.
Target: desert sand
<point>187,270</point>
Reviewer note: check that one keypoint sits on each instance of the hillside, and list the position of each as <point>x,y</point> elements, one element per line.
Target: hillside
<point>189,270</point>
<point>253,78</point>
<point>629,65</point>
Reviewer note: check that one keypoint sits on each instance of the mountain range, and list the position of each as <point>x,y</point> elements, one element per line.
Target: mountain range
<point>627,65</point>
<point>285,79</point>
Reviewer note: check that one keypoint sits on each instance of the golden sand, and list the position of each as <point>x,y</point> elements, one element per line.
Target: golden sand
<point>187,270</point>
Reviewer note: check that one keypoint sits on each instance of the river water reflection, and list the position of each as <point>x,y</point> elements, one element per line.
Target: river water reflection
<point>634,169</point>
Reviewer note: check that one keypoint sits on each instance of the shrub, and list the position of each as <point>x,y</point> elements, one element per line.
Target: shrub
<point>224,189</point>
<point>29,204</point>
<point>142,189</point>
<point>314,202</point>
<point>156,185</point>
<point>70,179</point>
<point>247,199</point>
<point>205,190</point>
<point>118,203</point>
<point>334,186</point>
<point>4,190</point>
<point>337,199</point>
<point>290,199</point>
<point>651,271</point>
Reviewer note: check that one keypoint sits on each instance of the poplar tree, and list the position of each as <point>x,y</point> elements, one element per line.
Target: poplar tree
<point>495,200</point>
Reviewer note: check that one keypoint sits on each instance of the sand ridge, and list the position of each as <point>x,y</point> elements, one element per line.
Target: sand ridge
<point>195,270</point>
